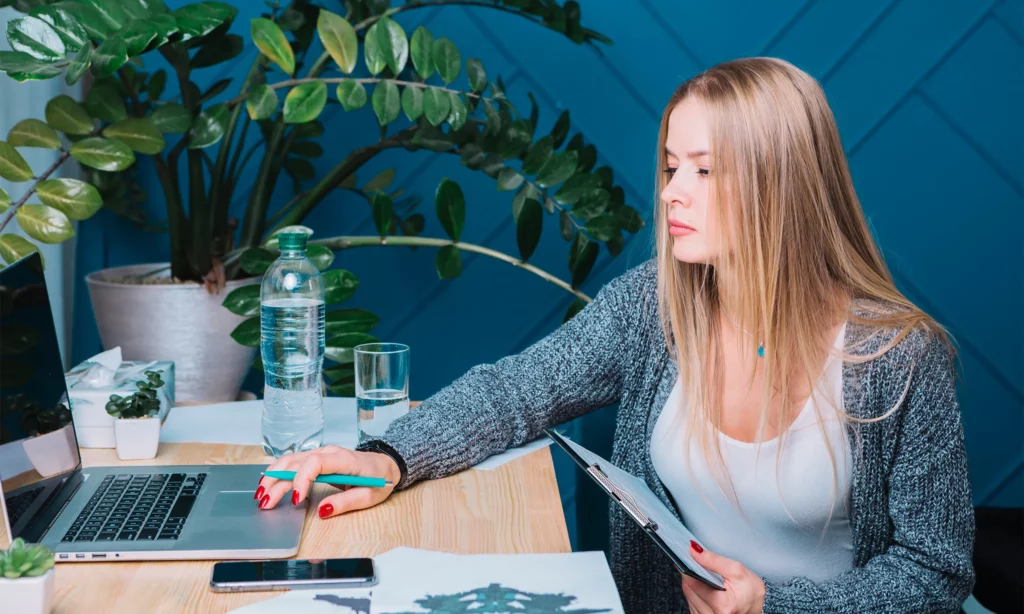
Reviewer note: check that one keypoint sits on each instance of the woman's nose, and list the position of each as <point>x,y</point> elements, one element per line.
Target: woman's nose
<point>675,194</point>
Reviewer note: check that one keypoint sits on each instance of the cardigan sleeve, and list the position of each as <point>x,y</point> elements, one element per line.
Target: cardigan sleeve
<point>927,566</point>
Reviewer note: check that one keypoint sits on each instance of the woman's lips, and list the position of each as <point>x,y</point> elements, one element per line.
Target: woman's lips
<point>678,229</point>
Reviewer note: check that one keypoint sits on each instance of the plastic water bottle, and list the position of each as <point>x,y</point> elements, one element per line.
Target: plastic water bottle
<point>292,330</point>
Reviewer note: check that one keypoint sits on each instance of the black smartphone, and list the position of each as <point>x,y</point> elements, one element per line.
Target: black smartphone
<point>288,574</point>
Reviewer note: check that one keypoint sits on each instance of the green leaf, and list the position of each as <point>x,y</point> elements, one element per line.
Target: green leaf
<point>565,226</point>
<point>5,201</point>
<point>447,59</point>
<point>109,56</point>
<point>412,102</point>
<point>209,127</point>
<point>339,286</point>
<point>448,262</point>
<point>44,224</point>
<point>347,389</point>
<point>271,42</point>
<point>382,207</point>
<point>386,45</point>
<point>103,154</point>
<point>95,27</point>
<point>219,50</point>
<point>156,84</point>
<point>528,228</point>
<point>171,118</point>
<point>557,169</point>
<point>339,39</point>
<point>602,227</point>
<point>15,247</point>
<point>104,103</point>
<point>561,130</point>
<point>64,24</point>
<point>36,38</point>
<point>509,179</point>
<point>197,20</point>
<point>338,321</point>
<point>459,114</point>
<point>79,64</point>
<point>74,198</point>
<point>305,102</point>
<point>352,95</point>
<point>413,225</point>
<point>576,188</point>
<point>299,168</point>
<point>33,133</point>
<point>339,348</point>
<point>321,256</point>
<point>166,29</point>
<point>248,333</point>
<point>256,260</point>
<point>477,75</point>
<point>493,119</point>
<point>451,207</point>
<point>215,89</point>
<point>309,130</point>
<point>12,166</point>
<point>380,182</point>
<point>538,156</point>
<point>23,67</point>
<point>436,105</point>
<point>629,219</point>
<point>591,205</point>
<point>527,191</point>
<point>139,134</point>
<point>261,102</point>
<point>387,103</point>
<point>516,139</point>
<point>307,149</point>
<point>576,307</point>
<point>244,301</point>
<point>111,13</point>
<point>137,35</point>
<point>587,160</point>
<point>422,52</point>
<point>582,256</point>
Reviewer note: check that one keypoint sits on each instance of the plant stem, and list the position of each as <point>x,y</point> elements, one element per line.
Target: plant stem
<point>291,82</point>
<point>256,211</point>
<point>350,242</point>
<point>21,201</point>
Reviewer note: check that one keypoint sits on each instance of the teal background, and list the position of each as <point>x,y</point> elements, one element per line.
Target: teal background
<point>927,94</point>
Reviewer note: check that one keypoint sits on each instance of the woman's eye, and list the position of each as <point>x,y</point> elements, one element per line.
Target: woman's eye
<point>670,171</point>
<point>703,172</point>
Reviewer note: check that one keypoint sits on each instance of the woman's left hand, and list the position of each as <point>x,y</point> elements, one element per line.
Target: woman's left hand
<point>744,590</point>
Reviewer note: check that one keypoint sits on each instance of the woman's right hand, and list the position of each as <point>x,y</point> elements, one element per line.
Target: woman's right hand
<point>327,460</point>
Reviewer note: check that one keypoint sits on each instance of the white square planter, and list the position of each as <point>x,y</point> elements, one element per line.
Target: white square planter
<point>28,595</point>
<point>137,438</point>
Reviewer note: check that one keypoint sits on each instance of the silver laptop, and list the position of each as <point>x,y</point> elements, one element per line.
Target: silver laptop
<point>108,513</point>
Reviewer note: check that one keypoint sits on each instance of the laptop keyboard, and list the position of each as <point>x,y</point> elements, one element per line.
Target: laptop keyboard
<point>137,507</point>
<point>17,504</point>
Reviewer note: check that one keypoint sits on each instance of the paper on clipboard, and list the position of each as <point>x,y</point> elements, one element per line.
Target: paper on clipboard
<point>645,508</point>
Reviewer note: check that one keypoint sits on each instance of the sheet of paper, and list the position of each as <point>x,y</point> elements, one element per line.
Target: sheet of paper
<point>500,459</point>
<point>415,581</point>
<point>670,529</point>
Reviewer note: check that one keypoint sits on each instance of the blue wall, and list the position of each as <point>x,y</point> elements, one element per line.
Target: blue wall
<point>927,95</point>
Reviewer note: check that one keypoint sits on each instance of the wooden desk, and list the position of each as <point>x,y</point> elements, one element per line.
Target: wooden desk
<point>512,509</point>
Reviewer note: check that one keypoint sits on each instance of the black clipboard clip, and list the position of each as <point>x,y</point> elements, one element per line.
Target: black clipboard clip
<point>624,498</point>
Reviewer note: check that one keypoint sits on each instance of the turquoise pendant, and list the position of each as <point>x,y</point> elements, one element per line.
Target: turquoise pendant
<point>760,351</point>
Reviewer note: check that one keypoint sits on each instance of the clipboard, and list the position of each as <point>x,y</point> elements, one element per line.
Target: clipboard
<point>657,521</point>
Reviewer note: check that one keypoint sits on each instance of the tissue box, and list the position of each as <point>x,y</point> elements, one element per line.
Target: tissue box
<point>93,425</point>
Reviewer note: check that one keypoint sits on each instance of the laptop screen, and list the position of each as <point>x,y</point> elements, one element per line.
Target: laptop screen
<point>38,448</point>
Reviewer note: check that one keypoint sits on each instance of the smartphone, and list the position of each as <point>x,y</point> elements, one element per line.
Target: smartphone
<point>289,574</point>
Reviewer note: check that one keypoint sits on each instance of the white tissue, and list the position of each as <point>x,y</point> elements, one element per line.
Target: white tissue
<point>101,371</point>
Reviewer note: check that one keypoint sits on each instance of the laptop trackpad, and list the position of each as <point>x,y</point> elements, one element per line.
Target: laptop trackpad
<point>232,503</point>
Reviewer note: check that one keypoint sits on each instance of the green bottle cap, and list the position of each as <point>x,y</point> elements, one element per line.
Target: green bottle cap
<point>292,241</point>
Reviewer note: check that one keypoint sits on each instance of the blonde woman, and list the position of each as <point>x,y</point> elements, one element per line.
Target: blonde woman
<point>776,390</point>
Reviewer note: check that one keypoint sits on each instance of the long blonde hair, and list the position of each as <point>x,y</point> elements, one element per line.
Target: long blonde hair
<point>793,238</point>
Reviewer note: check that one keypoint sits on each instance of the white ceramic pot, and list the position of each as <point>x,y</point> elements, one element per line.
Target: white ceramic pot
<point>52,453</point>
<point>28,595</point>
<point>137,438</point>
<point>182,323</point>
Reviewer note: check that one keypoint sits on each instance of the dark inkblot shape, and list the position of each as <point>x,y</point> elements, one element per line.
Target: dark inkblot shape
<point>358,605</point>
<point>498,599</point>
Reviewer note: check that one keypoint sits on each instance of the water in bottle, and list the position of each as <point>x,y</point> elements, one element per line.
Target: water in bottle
<point>292,330</point>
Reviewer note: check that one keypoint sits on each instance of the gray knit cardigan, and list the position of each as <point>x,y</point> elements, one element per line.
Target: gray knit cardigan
<point>910,500</point>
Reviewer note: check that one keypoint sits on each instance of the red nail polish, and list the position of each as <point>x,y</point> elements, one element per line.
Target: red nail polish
<point>696,547</point>
<point>259,493</point>
<point>325,510</point>
<point>295,497</point>
<point>264,501</point>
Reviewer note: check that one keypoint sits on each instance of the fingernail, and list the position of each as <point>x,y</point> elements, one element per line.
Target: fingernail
<point>295,497</point>
<point>264,501</point>
<point>696,547</point>
<point>325,510</point>
<point>259,493</point>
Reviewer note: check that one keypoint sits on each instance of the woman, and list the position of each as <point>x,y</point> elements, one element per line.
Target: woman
<point>776,390</point>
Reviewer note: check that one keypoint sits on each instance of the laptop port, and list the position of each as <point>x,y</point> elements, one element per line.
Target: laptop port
<point>63,556</point>
<point>99,556</point>
<point>79,556</point>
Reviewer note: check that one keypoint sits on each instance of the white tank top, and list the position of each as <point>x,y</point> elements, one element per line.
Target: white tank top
<point>791,520</point>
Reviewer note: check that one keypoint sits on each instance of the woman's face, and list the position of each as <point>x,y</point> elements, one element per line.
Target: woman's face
<point>689,210</point>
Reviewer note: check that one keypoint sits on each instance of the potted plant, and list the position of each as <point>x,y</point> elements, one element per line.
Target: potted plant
<point>201,141</point>
<point>26,578</point>
<point>136,420</point>
<point>51,448</point>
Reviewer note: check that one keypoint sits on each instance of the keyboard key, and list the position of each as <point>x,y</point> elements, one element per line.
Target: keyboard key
<point>125,536</point>
<point>68,538</point>
<point>183,506</point>
<point>106,537</point>
<point>84,538</point>
<point>168,536</point>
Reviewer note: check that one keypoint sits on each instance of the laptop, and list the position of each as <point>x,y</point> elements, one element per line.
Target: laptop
<point>129,513</point>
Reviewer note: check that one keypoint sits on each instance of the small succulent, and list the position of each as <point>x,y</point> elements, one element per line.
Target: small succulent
<point>141,404</point>
<point>25,560</point>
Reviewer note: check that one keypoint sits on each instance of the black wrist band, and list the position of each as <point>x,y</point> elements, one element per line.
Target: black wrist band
<point>376,445</point>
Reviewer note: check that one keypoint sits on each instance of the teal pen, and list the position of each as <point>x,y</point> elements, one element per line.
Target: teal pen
<point>337,480</point>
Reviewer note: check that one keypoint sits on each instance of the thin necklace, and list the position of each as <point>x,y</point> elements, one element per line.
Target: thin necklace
<point>760,344</point>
